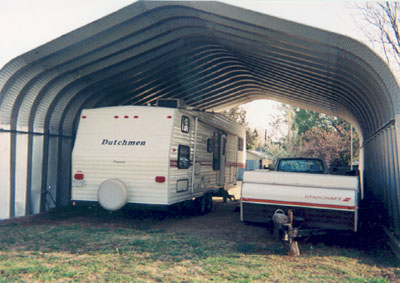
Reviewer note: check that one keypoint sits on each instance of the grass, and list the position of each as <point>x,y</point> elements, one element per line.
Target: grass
<point>61,250</point>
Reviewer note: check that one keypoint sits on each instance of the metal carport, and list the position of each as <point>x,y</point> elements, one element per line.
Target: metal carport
<point>209,54</point>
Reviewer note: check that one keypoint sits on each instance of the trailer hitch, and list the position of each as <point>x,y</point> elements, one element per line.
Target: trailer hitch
<point>283,227</point>
<point>290,235</point>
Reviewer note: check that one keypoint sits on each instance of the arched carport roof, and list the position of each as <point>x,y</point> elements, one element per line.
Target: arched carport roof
<point>209,54</point>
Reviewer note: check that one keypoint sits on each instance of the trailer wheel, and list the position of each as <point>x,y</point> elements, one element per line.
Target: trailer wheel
<point>209,202</point>
<point>203,204</point>
<point>185,208</point>
<point>200,205</point>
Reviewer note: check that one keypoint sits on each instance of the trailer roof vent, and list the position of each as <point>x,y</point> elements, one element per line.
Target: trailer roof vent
<point>170,103</point>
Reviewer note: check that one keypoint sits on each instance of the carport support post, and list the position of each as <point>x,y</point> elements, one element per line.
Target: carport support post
<point>5,165</point>
<point>394,236</point>
<point>396,197</point>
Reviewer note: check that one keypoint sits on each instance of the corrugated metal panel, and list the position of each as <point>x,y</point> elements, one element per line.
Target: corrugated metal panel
<point>34,180</point>
<point>21,174</point>
<point>5,165</point>
<point>13,87</point>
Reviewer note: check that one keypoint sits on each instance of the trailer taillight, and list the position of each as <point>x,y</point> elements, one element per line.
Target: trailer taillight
<point>160,179</point>
<point>79,176</point>
<point>169,117</point>
<point>83,117</point>
<point>136,117</point>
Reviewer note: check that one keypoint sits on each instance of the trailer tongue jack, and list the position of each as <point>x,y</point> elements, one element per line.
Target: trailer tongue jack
<point>284,227</point>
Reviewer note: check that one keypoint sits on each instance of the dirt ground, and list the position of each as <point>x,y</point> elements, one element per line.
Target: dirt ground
<point>223,223</point>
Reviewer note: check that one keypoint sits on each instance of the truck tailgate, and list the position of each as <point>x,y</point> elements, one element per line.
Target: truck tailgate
<point>299,189</point>
<point>322,199</point>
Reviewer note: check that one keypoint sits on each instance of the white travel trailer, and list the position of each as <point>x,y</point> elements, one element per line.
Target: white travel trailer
<point>154,155</point>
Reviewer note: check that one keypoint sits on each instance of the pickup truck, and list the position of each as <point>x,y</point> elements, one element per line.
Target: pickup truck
<point>301,189</point>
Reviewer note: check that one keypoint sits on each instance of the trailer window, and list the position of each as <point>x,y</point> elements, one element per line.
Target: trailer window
<point>240,144</point>
<point>183,157</point>
<point>182,185</point>
<point>185,124</point>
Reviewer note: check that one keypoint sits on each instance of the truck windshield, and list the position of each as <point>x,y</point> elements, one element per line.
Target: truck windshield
<point>301,165</point>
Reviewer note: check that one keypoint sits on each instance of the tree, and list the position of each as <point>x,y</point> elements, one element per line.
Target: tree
<point>383,28</point>
<point>238,115</point>
<point>311,134</point>
<point>306,120</point>
<point>275,148</point>
<point>251,138</point>
<point>324,136</point>
<point>333,147</point>
<point>300,132</point>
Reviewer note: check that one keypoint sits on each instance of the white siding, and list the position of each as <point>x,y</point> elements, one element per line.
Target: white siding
<point>207,179</point>
<point>180,138</point>
<point>136,166</point>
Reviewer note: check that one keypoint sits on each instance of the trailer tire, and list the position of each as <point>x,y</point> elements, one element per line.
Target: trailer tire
<point>200,205</point>
<point>112,194</point>
<point>203,204</point>
<point>209,202</point>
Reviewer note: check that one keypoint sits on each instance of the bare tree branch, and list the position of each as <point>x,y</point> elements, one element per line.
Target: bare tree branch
<point>382,28</point>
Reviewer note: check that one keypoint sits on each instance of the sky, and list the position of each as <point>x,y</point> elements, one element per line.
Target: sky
<point>27,24</point>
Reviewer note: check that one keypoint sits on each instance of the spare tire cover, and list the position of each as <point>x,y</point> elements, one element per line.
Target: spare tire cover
<point>112,194</point>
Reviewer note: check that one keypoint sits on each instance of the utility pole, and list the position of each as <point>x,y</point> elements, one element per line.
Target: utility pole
<point>351,147</point>
<point>289,122</point>
<point>265,138</point>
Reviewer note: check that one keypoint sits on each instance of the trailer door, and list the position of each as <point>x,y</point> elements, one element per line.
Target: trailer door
<point>222,158</point>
